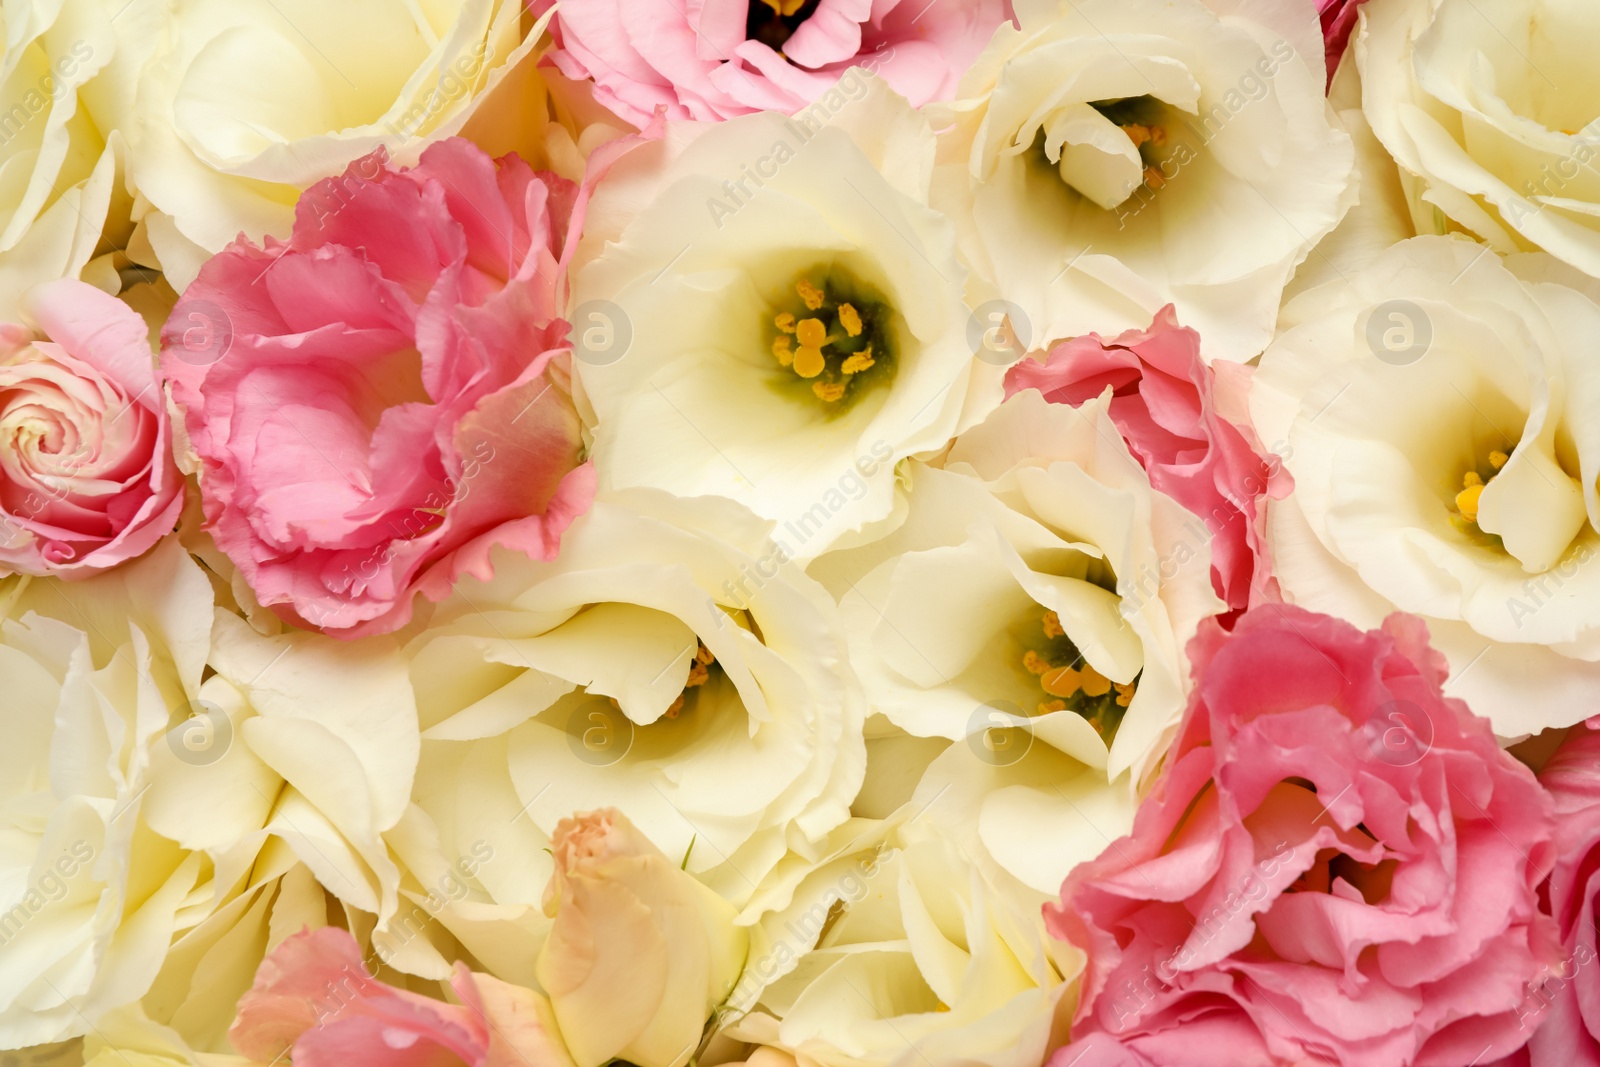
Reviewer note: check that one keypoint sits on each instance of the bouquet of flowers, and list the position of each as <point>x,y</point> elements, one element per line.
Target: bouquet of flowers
<point>799,533</point>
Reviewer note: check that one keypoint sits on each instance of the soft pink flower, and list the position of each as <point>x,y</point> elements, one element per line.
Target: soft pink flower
<point>1562,1014</point>
<point>384,397</point>
<point>1188,425</point>
<point>1338,19</point>
<point>1338,866</point>
<point>314,999</point>
<point>87,479</point>
<point>714,59</point>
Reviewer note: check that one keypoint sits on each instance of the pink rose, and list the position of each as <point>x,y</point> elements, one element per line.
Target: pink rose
<point>315,1000</point>
<point>1188,425</point>
<point>383,398</point>
<point>1338,866</point>
<point>1562,1014</point>
<point>1338,19</point>
<point>715,59</point>
<point>87,479</point>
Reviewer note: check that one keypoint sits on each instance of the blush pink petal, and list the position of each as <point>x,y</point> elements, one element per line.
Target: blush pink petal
<point>1188,426</point>
<point>695,61</point>
<point>315,1003</point>
<point>103,487</point>
<point>1338,865</point>
<point>392,397</point>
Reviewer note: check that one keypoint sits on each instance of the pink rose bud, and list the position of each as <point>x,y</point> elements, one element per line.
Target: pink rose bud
<point>87,479</point>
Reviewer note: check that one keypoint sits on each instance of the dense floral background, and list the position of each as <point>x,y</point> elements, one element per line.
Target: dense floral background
<point>799,533</point>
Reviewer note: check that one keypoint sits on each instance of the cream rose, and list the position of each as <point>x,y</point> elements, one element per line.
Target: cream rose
<point>214,155</point>
<point>1491,118</point>
<point>90,896</point>
<point>771,312</point>
<point>1439,426</point>
<point>670,663</point>
<point>1112,156</point>
<point>639,953</point>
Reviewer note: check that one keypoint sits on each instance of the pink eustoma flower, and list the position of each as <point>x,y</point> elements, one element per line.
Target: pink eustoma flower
<point>1561,1015</point>
<point>87,478</point>
<point>715,59</point>
<point>314,1003</point>
<point>1339,865</point>
<point>383,398</point>
<point>1188,425</point>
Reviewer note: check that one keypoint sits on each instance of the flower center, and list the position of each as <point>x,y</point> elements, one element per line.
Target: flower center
<point>1472,485</point>
<point>1071,683</point>
<point>834,336</point>
<point>699,674</point>
<point>1139,117</point>
<point>773,22</point>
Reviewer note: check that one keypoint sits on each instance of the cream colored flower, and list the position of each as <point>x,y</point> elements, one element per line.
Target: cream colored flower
<point>794,308</point>
<point>247,102</point>
<point>640,953</point>
<point>1437,409</point>
<point>1490,115</point>
<point>899,947</point>
<point>64,73</point>
<point>1036,591</point>
<point>301,740</point>
<point>669,663</point>
<point>90,895</point>
<point>1109,157</point>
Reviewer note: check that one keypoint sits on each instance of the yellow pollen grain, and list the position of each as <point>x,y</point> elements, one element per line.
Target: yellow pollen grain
<point>703,655</point>
<point>1153,178</point>
<point>858,362</point>
<point>809,293</point>
<point>697,675</point>
<point>1052,705</point>
<point>1052,625</point>
<point>1498,459</point>
<point>780,348</point>
<point>1467,502</point>
<point>1124,693</point>
<point>1471,478</point>
<point>1032,662</point>
<point>811,333</point>
<point>808,362</point>
<point>673,708</point>
<point>829,391</point>
<point>850,319</point>
<point>785,322</point>
<point>1137,134</point>
<point>1095,684</point>
<point>1062,681</point>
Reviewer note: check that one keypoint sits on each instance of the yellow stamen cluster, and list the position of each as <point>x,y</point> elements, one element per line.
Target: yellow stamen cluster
<point>801,342</point>
<point>784,8</point>
<point>1063,683</point>
<point>1472,487</point>
<point>1140,135</point>
<point>699,674</point>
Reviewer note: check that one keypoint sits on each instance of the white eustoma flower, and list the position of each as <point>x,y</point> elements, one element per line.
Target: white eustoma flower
<point>899,948</point>
<point>770,311</point>
<point>1109,157</point>
<point>247,102</point>
<point>1037,590</point>
<point>670,663</point>
<point>1489,112</point>
<point>1438,409</point>
<point>300,740</point>
<point>90,897</point>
